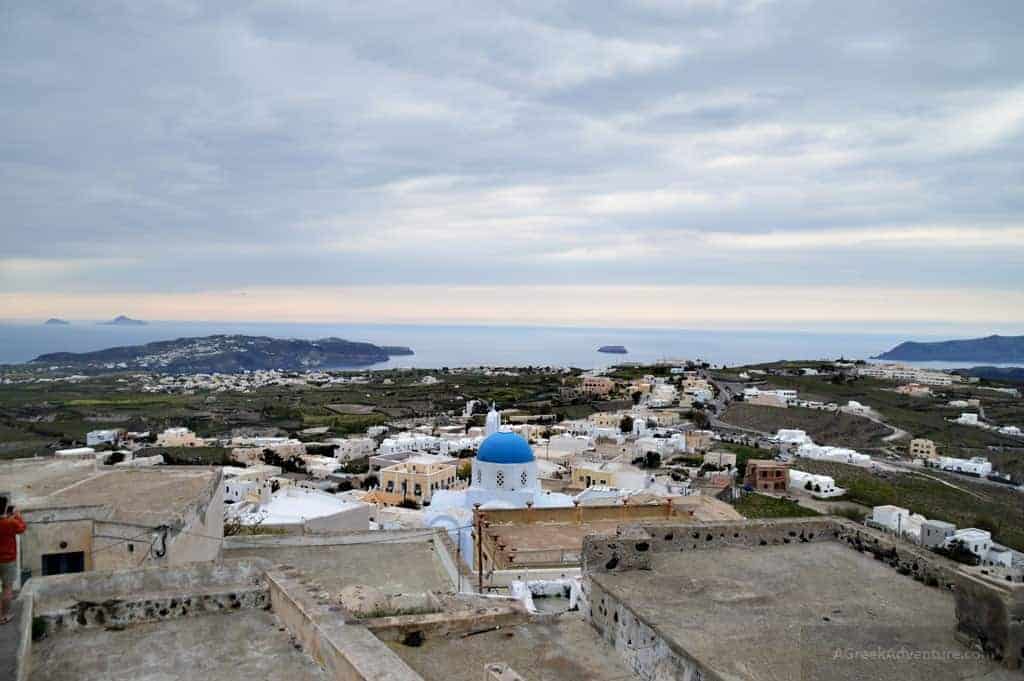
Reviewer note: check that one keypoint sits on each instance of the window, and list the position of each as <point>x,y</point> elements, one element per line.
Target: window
<point>500,479</point>
<point>479,476</point>
<point>63,563</point>
<point>417,490</point>
<point>523,478</point>
<point>391,486</point>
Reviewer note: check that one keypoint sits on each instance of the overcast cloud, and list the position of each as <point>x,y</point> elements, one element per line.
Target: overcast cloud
<point>173,150</point>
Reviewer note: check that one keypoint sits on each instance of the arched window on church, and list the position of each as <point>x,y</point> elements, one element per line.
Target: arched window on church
<point>523,478</point>
<point>500,479</point>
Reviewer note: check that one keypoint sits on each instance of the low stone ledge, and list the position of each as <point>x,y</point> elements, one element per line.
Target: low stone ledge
<point>348,652</point>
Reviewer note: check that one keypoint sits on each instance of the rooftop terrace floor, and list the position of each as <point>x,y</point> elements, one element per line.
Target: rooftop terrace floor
<point>243,646</point>
<point>565,650</point>
<point>391,566</point>
<point>780,613</point>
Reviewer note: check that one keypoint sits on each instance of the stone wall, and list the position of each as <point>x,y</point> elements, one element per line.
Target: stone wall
<point>631,549</point>
<point>349,652</point>
<point>642,648</point>
<point>990,612</point>
<point>120,598</point>
<point>990,617</point>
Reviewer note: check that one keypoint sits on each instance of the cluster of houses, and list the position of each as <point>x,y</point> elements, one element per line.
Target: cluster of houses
<point>798,443</point>
<point>772,476</point>
<point>939,534</point>
<point>243,382</point>
<point>973,419</point>
<point>907,374</point>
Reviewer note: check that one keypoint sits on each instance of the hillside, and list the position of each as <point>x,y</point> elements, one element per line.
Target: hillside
<point>988,349</point>
<point>824,427</point>
<point>228,354</point>
<point>1001,374</point>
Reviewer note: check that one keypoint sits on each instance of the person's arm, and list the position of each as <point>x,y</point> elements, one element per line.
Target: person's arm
<point>13,523</point>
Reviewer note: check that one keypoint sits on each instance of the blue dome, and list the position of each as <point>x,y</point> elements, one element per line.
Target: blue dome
<point>504,447</point>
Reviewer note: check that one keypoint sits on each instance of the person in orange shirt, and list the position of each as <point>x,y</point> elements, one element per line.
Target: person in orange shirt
<point>11,525</point>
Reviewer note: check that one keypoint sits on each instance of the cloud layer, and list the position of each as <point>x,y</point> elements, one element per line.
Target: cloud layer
<point>151,152</point>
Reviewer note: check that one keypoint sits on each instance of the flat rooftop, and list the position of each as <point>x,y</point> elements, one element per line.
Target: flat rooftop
<point>778,613</point>
<point>243,646</point>
<point>551,536</point>
<point>391,564</point>
<point>565,534</point>
<point>566,649</point>
<point>141,495</point>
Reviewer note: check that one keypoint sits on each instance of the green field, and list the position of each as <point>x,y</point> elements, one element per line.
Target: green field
<point>920,417</point>
<point>754,505</point>
<point>824,427</point>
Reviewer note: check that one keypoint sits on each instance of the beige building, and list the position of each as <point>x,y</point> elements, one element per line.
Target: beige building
<point>698,441</point>
<point>606,419</point>
<point>720,459</point>
<point>607,474</point>
<point>914,390</point>
<point>417,478</point>
<point>597,385</point>
<point>179,437</point>
<point>768,400</point>
<point>921,448</point>
<point>660,417</point>
<point>83,516</point>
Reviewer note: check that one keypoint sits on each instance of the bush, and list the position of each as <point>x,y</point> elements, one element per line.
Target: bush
<point>852,513</point>
<point>38,628</point>
<point>356,466</point>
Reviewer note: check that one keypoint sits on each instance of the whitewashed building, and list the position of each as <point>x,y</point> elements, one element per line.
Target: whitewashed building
<point>977,465</point>
<point>94,438</point>
<point>818,485</point>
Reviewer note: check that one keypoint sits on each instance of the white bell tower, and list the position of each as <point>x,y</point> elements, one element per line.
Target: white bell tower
<point>493,423</point>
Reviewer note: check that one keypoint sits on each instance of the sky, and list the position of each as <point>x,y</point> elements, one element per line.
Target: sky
<point>650,163</point>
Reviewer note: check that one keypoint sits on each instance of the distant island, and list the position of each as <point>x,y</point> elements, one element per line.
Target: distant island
<point>1002,374</point>
<point>121,320</point>
<point>227,354</point>
<point>988,349</point>
<point>54,321</point>
<point>613,349</point>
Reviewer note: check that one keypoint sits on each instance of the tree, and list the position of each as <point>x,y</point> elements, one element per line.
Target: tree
<point>626,424</point>
<point>958,551</point>
<point>464,471</point>
<point>652,460</point>
<point>700,419</point>
<point>115,457</point>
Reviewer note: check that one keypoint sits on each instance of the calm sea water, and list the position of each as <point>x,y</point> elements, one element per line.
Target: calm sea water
<point>438,346</point>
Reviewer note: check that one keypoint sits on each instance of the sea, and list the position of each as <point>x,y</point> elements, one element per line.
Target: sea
<point>459,346</point>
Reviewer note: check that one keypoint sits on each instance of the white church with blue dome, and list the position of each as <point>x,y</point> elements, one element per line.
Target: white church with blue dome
<point>504,476</point>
